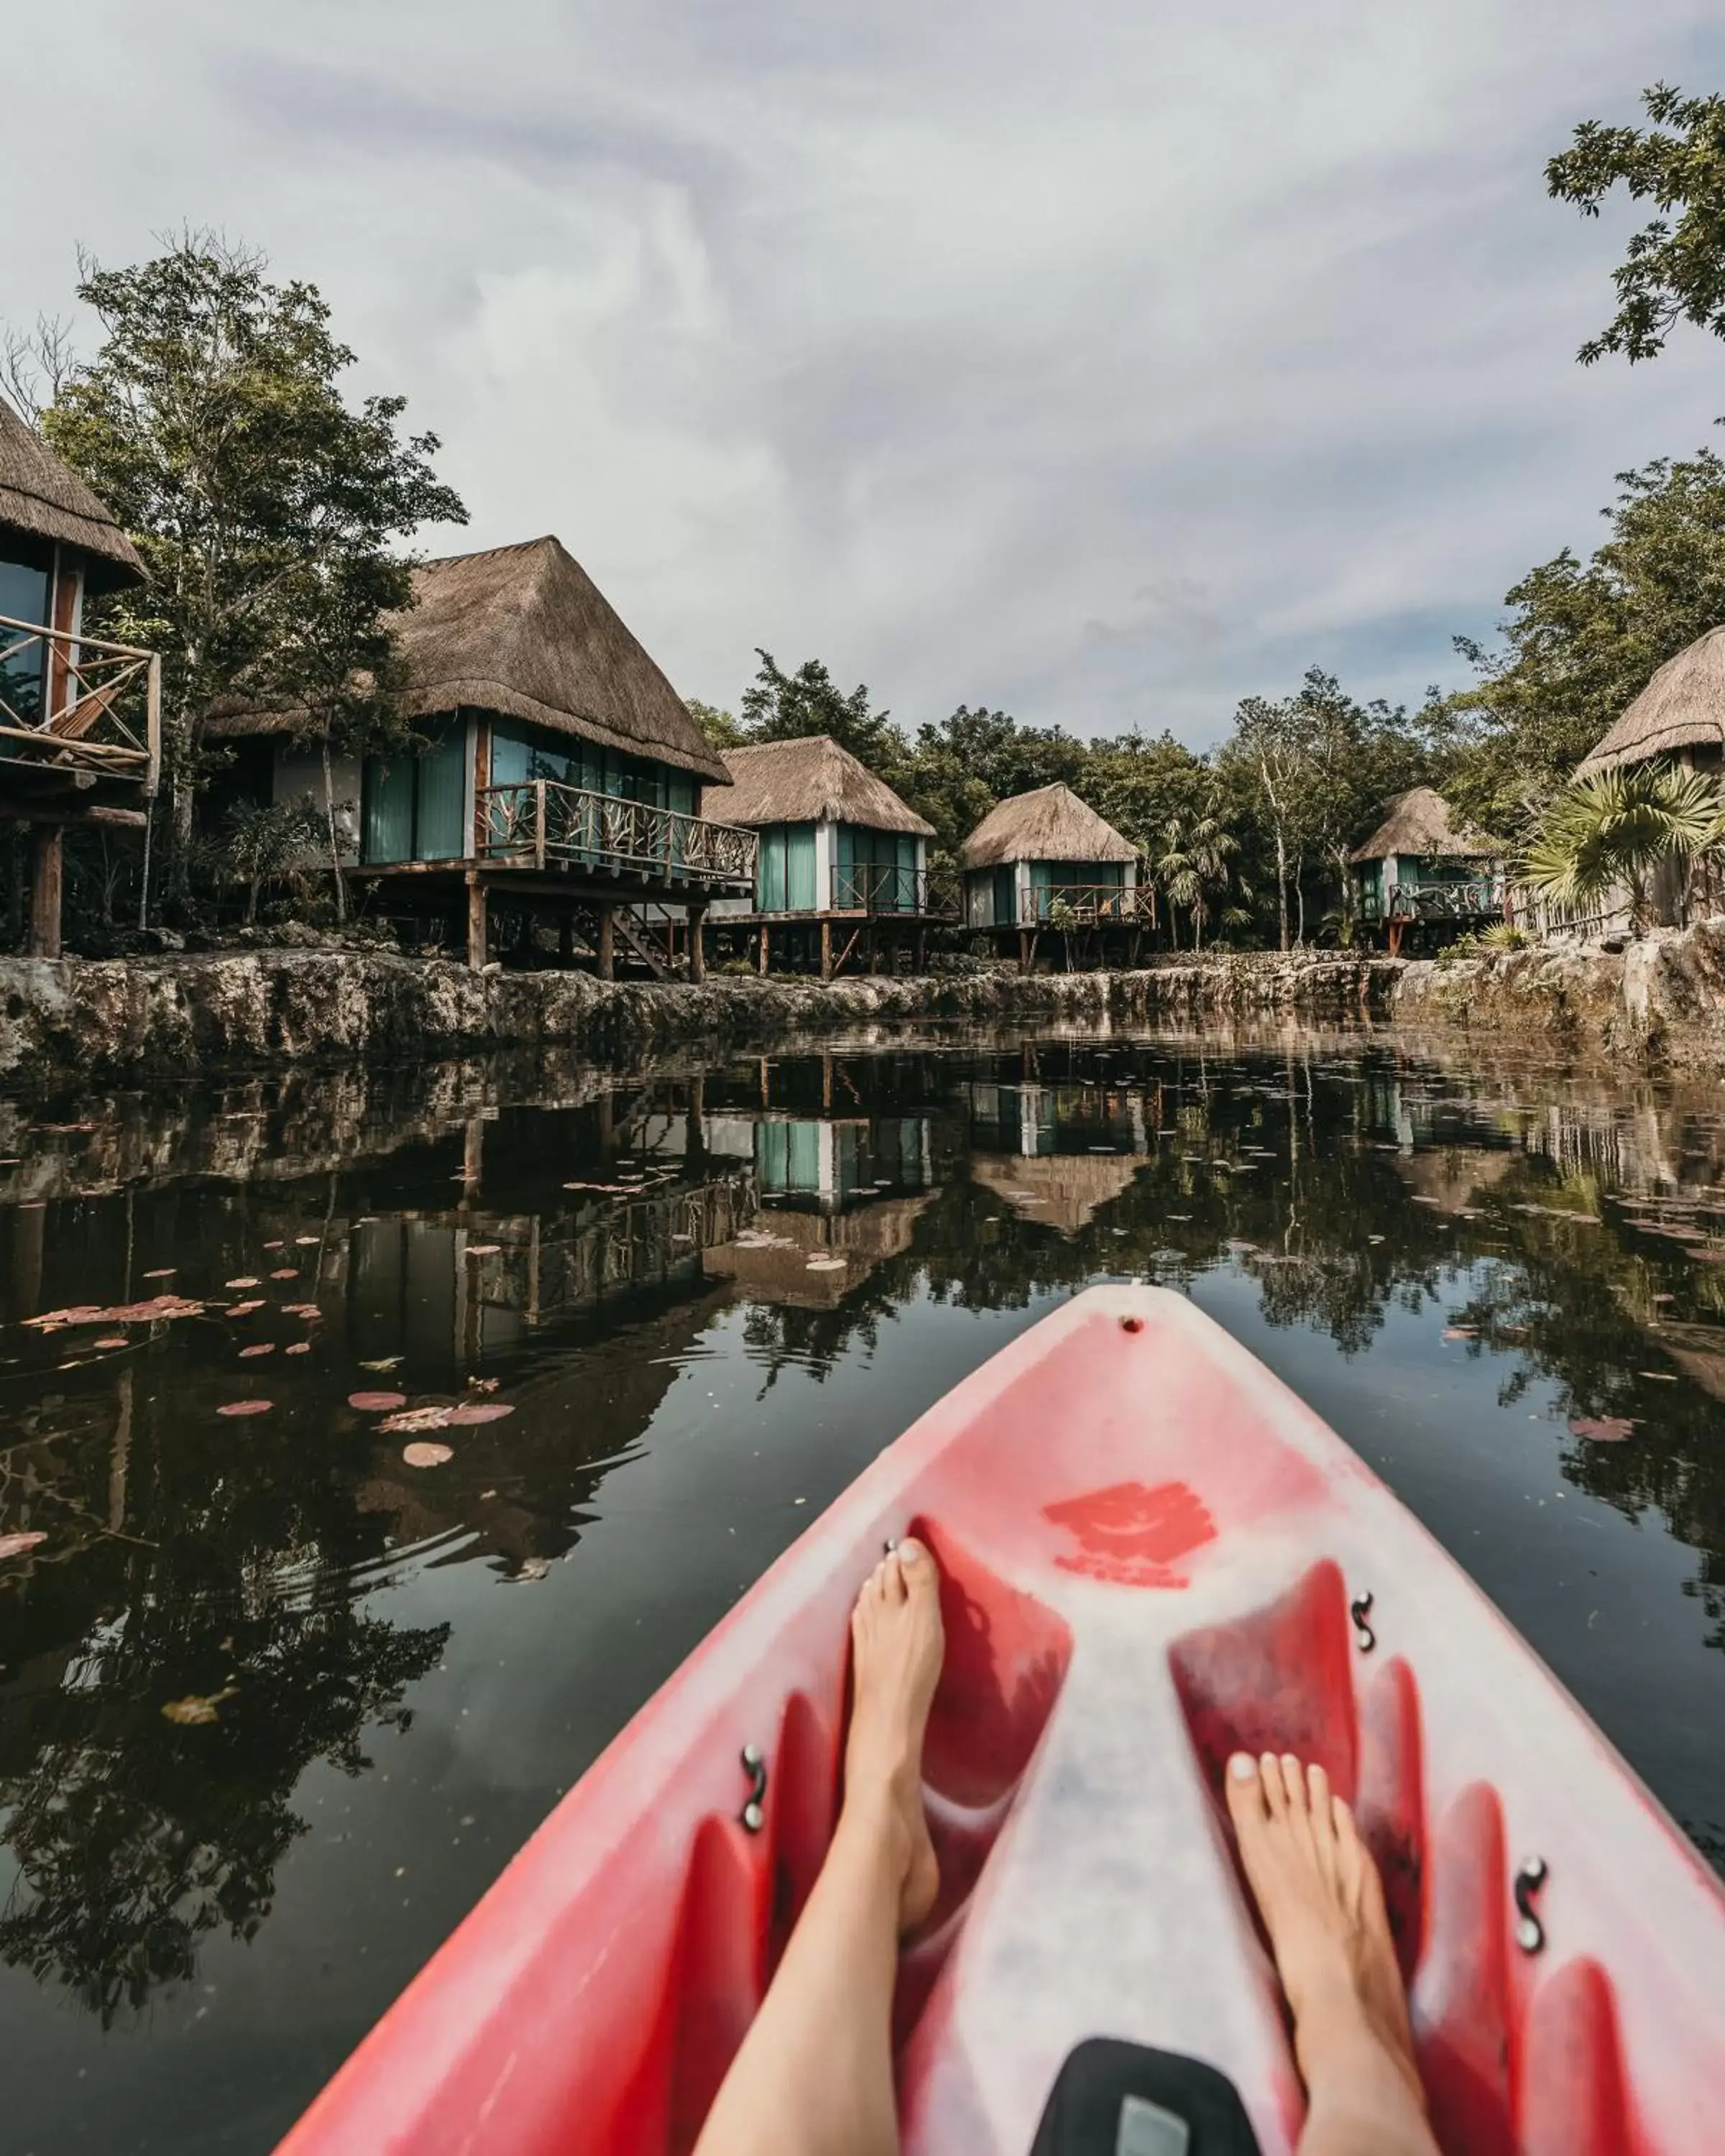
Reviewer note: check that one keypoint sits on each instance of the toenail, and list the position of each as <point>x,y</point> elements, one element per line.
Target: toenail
<point>910,1553</point>
<point>1243,1767</point>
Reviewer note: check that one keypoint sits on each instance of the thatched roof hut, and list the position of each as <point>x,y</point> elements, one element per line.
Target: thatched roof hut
<point>1682,706</point>
<point>524,631</point>
<point>1049,825</point>
<point>1418,825</point>
<point>41,495</point>
<point>812,781</point>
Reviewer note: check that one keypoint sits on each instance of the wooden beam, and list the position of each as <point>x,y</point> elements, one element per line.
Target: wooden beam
<point>764,953</point>
<point>48,856</point>
<point>607,940</point>
<point>697,942</point>
<point>475,923</point>
<point>826,948</point>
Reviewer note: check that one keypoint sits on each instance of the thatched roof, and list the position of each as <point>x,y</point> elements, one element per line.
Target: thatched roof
<point>1051,824</point>
<point>524,631</point>
<point>811,781</point>
<point>1056,1190</point>
<point>41,494</point>
<point>1418,822</point>
<point>1682,706</point>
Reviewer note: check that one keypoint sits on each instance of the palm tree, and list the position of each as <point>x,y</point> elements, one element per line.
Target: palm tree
<point>1190,868</point>
<point>1614,827</point>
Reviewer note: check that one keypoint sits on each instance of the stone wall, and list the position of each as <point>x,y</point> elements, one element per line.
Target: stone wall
<point>124,1021</point>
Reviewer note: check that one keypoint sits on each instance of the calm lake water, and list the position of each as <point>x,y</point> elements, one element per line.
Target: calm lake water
<point>275,1706</point>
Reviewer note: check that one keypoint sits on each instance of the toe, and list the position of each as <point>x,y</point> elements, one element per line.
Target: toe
<point>1293,1779</point>
<point>1320,1809</point>
<point>1245,1786</point>
<point>1275,1800</point>
<point>916,1567</point>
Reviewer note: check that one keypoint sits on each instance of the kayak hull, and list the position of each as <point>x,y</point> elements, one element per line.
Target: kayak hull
<point>1151,1554</point>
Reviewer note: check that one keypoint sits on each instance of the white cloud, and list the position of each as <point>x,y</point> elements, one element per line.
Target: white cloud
<point>1104,363</point>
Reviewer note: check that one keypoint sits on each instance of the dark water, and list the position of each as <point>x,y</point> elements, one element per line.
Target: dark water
<point>708,1297</point>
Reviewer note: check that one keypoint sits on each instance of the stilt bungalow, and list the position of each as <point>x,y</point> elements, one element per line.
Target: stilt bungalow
<point>557,775</point>
<point>80,717</point>
<point>1046,861</point>
<point>842,876</point>
<point>1679,718</point>
<point>1424,867</point>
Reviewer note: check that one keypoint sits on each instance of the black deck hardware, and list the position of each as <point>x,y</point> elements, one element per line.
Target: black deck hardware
<point>1360,1608</point>
<point>1530,1932</point>
<point>754,1765</point>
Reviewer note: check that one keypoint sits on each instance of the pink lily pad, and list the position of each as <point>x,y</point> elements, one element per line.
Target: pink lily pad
<point>16,1545</point>
<point>245,1280</point>
<point>285,1272</point>
<point>471,1411</point>
<point>259,1348</point>
<point>483,1250</point>
<point>111,1340</point>
<point>1603,1429</point>
<point>245,1309</point>
<point>297,1347</point>
<point>376,1403</point>
<point>424,1454</point>
<point>245,1407</point>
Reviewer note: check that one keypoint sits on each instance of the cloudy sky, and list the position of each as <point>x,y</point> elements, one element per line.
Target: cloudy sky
<point>1106,361</point>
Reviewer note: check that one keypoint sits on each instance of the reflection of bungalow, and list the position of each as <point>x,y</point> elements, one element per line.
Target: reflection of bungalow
<point>1424,864</point>
<point>825,1163</point>
<point>555,766</point>
<point>841,854</point>
<point>1047,860</point>
<point>79,717</point>
<point>813,1260</point>
<point>1058,1190</point>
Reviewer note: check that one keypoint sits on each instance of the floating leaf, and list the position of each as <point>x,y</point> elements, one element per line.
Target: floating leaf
<point>259,1348</point>
<point>306,1242</point>
<point>120,1313</point>
<point>111,1340</point>
<point>245,1309</point>
<point>245,1280</point>
<point>16,1545</point>
<point>300,1310</point>
<point>472,1411</point>
<point>245,1407</point>
<point>1460,1332</point>
<point>1603,1429</point>
<point>285,1272</point>
<point>196,1709</point>
<point>419,1418</point>
<point>532,1568</point>
<point>376,1403</point>
<point>422,1454</point>
<point>382,1362</point>
<point>162,1272</point>
<point>298,1347</point>
<point>483,1250</point>
<point>824,1266</point>
<point>275,1245</point>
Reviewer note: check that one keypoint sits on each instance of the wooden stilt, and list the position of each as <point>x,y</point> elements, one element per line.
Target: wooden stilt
<point>762,966</point>
<point>475,922</point>
<point>607,940</point>
<point>826,948</point>
<point>48,855</point>
<point>1026,950</point>
<point>697,942</point>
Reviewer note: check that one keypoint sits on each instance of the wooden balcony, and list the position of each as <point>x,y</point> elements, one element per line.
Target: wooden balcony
<point>877,891</point>
<point>1085,905</point>
<point>80,723</point>
<point>1478,899</point>
<point>542,824</point>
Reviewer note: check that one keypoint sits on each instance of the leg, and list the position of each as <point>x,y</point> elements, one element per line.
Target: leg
<point>1318,1892</point>
<point>815,2075</point>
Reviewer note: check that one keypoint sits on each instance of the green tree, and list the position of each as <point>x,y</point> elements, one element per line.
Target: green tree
<point>781,706</point>
<point>1671,272</point>
<point>1614,827</point>
<point>212,420</point>
<point>1196,864</point>
<point>1584,639</point>
<point>721,728</point>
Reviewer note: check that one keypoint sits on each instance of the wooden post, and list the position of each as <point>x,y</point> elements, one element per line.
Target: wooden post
<point>475,922</point>
<point>48,854</point>
<point>608,940</point>
<point>1024,951</point>
<point>539,822</point>
<point>697,942</point>
<point>826,948</point>
<point>763,960</point>
<point>921,948</point>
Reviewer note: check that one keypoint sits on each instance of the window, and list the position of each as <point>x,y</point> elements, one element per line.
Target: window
<point>784,881</point>
<point>23,597</point>
<point>415,801</point>
<point>875,871</point>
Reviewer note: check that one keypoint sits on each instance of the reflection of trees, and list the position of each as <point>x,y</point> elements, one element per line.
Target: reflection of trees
<point>206,1568</point>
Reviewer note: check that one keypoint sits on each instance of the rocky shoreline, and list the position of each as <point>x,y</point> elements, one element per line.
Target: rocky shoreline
<point>126,1021</point>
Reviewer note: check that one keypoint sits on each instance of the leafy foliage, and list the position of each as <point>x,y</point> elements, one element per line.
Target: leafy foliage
<point>1614,827</point>
<point>1671,272</point>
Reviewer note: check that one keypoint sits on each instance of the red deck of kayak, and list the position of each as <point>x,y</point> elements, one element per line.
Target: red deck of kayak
<point>1149,1549</point>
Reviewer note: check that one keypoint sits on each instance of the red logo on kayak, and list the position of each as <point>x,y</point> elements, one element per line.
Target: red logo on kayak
<point>1131,1535</point>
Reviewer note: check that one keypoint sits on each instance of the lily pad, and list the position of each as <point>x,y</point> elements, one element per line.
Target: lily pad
<point>258,1348</point>
<point>422,1454</point>
<point>376,1403</point>
<point>1603,1429</point>
<point>16,1545</point>
<point>245,1280</point>
<point>245,1407</point>
<point>472,1411</point>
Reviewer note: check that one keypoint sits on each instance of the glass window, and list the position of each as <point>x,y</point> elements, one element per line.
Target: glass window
<point>23,597</point>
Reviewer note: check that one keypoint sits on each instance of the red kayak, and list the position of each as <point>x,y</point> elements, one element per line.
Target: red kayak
<point>1152,1554</point>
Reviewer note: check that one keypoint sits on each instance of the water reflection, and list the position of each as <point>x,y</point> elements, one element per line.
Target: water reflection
<point>1505,1283</point>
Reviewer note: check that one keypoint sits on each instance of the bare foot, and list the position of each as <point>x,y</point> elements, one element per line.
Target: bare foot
<point>1322,1904</point>
<point>898,1641</point>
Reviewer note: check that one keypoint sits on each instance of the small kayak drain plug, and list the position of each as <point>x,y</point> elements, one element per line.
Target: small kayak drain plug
<point>754,1765</point>
<point>1360,1608</point>
<point>1530,1932</point>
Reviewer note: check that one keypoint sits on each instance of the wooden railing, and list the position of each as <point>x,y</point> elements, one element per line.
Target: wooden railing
<point>541,821</point>
<point>1478,899</point>
<point>80,701</point>
<point>868,888</point>
<point>1087,905</point>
